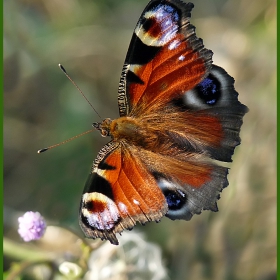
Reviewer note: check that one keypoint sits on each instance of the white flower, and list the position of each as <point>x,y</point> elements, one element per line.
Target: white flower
<point>134,258</point>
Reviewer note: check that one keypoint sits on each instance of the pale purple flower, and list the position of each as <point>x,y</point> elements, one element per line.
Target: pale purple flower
<point>32,226</point>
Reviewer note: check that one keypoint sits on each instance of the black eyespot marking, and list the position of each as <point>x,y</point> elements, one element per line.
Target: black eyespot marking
<point>179,103</point>
<point>131,77</point>
<point>209,90</point>
<point>84,222</point>
<point>96,183</point>
<point>175,199</point>
<point>104,166</point>
<point>88,205</point>
<point>148,23</point>
<point>140,53</point>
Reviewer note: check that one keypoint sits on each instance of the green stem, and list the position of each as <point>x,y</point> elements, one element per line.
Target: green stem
<point>20,252</point>
<point>19,268</point>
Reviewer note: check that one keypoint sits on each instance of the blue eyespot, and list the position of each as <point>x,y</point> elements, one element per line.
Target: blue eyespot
<point>209,90</point>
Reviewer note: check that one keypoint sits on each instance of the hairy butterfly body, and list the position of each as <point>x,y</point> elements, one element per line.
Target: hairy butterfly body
<point>177,112</point>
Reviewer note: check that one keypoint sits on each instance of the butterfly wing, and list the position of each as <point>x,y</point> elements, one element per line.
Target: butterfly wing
<point>202,123</point>
<point>164,59</point>
<point>216,98</point>
<point>169,83</point>
<point>114,198</point>
<point>189,113</point>
<point>168,65</point>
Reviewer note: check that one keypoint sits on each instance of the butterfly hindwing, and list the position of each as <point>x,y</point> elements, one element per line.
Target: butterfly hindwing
<point>213,106</point>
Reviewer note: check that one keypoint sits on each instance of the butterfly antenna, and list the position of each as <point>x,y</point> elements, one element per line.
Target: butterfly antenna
<point>66,74</point>
<point>65,141</point>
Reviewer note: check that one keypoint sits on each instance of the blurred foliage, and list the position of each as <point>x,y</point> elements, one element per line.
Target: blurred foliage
<point>90,39</point>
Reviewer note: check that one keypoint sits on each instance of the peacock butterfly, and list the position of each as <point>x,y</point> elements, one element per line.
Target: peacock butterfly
<point>178,111</point>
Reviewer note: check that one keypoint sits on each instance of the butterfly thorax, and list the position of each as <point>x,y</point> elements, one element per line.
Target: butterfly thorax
<point>127,129</point>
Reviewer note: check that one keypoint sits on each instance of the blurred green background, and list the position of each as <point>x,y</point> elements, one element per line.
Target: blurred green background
<point>90,39</point>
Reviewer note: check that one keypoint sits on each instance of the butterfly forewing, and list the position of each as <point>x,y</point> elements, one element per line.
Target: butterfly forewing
<point>165,58</point>
<point>114,197</point>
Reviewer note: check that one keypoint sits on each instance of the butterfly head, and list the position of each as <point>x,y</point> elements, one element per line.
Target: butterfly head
<point>103,127</point>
